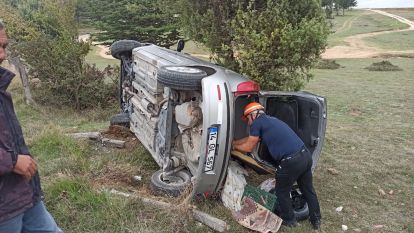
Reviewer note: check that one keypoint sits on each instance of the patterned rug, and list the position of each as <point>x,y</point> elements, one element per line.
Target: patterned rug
<point>256,217</point>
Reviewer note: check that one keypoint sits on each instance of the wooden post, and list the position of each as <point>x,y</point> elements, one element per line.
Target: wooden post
<point>210,221</point>
<point>28,98</point>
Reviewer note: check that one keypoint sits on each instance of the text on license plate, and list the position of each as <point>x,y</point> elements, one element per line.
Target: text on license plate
<point>211,149</point>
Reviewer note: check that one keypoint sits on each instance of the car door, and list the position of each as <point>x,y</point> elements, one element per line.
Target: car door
<point>304,112</point>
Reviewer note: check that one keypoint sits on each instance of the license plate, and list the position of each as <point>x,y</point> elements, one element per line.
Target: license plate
<point>211,149</point>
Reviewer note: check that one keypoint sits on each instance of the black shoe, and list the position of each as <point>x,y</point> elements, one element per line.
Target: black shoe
<point>290,224</point>
<point>316,224</point>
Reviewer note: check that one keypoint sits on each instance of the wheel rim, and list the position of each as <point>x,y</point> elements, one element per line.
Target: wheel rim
<point>172,180</point>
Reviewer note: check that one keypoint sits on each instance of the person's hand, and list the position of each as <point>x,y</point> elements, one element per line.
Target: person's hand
<point>25,166</point>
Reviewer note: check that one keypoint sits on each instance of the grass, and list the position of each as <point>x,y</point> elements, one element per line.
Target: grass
<point>359,22</point>
<point>369,141</point>
<point>393,41</point>
<point>327,64</point>
<point>94,58</point>
<point>192,47</point>
<point>407,13</point>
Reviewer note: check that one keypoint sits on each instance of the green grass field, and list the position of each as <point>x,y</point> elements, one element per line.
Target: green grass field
<point>369,142</point>
<point>393,41</point>
<point>359,22</point>
<point>100,62</point>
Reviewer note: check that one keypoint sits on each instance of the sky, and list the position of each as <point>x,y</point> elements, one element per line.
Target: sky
<point>385,3</point>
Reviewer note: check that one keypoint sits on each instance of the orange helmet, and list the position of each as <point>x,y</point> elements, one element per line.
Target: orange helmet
<point>252,107</point>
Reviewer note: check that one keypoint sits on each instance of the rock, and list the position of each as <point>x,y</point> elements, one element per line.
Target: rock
<point>339,209</point>
<point>344,227</point>
<point>380,226</point>
<point>357,230</point>
<point>333,171</point>
<point>381,191</point>
<point>391,192</point>
<point>137,178</point>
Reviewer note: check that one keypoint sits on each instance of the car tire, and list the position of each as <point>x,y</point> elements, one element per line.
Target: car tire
<point>299,205</point>
<point>178,183</point>
<point>121,119</point>
<point>123,48</point>
<point>302,213</point>
<point>184,78</point>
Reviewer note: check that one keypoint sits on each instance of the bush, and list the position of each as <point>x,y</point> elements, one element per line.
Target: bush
<point>383,66</point>
<point>326,64</point>
<point>64,78</point>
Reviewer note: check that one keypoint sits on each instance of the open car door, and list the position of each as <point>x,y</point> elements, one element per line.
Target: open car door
<point>304,112</point>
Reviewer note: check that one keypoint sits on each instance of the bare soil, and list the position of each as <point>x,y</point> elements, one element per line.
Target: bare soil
<point>121,133</point>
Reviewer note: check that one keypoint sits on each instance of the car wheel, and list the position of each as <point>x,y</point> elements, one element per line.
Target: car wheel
<point>299,205</point>
<point>172,185</point>
<point>183,78</point>
<point>300,208</point>
<point>123,48</point>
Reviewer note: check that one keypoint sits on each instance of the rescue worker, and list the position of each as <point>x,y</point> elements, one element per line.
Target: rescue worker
<point>294,161</point>
<point>21,205</point>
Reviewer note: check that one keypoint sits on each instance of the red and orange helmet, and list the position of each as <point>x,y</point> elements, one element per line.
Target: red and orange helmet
<point>251,107</point>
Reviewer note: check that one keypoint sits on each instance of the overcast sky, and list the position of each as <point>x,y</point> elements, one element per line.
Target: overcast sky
<point>385,3</point>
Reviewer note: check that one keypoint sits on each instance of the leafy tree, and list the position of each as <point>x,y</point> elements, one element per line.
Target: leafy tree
<point>141,20</point>
<point>344,5</point>
<point>209,22</point>
<point>351,3</point>
<point>329,6</point>
<point>279,44</point>
<point>19,31</point>
<point>274,42</point>
<point>46,40</point>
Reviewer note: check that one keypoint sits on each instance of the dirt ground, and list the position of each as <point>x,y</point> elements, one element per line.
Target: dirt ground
<point>121,133</point>
<point>357,48</point>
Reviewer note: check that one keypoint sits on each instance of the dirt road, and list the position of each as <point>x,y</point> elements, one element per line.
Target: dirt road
<point>357,48</point>
<point>102,50</point>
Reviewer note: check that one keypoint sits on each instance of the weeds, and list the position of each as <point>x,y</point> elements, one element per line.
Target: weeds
<point>327,64</point>
<point>383,66</point>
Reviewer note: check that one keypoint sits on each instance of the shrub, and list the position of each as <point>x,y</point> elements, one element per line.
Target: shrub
<point>65,79</point>
<point>383,66</point>
<point>327,64</point>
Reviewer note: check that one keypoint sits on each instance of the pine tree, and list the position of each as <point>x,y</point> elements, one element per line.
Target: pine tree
<point>141,20</point>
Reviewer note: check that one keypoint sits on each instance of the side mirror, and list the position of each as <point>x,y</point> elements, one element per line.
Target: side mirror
<point>180,45</point>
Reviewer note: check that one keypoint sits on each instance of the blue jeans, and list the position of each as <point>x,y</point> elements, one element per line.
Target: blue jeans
<point>33,220</point>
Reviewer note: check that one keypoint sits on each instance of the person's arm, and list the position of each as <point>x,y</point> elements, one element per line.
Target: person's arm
<point>240,141</point>
<point>248,145</point>
<point>23,165</point>
<point>6,162</point>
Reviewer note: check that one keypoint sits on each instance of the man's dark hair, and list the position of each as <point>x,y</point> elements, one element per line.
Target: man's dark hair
<point>1,25</point>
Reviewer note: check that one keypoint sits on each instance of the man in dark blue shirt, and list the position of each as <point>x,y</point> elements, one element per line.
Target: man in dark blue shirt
<point>293,159</point>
